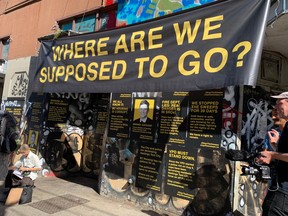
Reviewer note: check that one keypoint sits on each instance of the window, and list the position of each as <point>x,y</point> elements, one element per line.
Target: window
<point>67,26</point>
<point>79,24</point>
<point>2,66</point>
<point>85,24</point>
<point>108,20</point>
<point>4,48</point>
<point>99,19</point>
<point>271,65</point>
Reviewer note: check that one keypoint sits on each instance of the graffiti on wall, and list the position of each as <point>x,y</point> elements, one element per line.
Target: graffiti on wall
<point>211,179</point>
<point>130,12</point>
<point>20,84</point>
<point>230,117</point>
<point>256,122</point>
<point>73,143</point>
<point>69,149</point>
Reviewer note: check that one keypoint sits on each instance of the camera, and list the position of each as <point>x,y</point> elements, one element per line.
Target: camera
<point>261,172</point>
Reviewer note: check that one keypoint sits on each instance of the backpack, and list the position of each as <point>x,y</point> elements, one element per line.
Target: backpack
<point>8,132</point>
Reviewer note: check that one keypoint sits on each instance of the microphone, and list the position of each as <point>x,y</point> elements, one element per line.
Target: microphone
<point>237,155</point>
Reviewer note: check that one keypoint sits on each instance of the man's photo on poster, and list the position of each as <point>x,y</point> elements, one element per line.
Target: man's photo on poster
<point>32,139</point>
<point>143,111</point>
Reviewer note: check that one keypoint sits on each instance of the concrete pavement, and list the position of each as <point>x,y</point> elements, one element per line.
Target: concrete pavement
<point>72,196</point>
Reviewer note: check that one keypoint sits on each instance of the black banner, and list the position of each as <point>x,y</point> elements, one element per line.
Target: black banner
<point>204,48</point>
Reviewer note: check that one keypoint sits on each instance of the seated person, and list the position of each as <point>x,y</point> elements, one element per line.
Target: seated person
<point>28,166</point>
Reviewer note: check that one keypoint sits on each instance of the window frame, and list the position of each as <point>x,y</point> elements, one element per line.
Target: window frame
<point>99,11</point>
<point>2,46</point>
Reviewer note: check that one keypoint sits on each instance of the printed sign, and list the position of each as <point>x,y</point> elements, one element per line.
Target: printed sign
<point>192,50</point>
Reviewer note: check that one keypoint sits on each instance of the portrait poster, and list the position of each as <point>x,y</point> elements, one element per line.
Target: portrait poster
<point>205,118</point>
<point>172,125</point>
<point>144,119</point>
<point>120,115</point>
<point>33,140</point>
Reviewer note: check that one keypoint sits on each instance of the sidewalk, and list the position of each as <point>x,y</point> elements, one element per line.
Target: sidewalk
<point>76,196</point>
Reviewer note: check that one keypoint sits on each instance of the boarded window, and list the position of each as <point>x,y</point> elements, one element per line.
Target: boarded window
<point>86,24</point>
<point>4,48</point>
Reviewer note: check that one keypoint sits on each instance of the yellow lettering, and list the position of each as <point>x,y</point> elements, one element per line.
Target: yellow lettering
<point>78,49</point>
<point>92,71</point>
<point>194,64</point>
<point>102,44</point>
<point>77,72</point>
<point>51,77</point>
<point>152,38</point>
<point>60,72</point>
<point>121,44</point>
<point>103,70</point>
<point>137,38</point>
<point>89,46</point>
<point>208,27</point>
<point>186,31</point>
<point>43,76</point>
<point>163,69</point>
<point>141,65</point>
<point>124,67</point>
<point>69,72</point>
<point>57,52</point>
<point>208,56</point>
<point>68,51</point>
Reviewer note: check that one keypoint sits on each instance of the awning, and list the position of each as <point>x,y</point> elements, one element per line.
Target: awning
<point>277,30</point>
<point>208,47</point>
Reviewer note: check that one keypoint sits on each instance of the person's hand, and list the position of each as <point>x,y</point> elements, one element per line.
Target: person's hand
<point>265,157</point>
<point>23,169</point>
<point>273,136</point>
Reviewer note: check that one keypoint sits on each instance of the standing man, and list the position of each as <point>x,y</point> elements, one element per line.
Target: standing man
<point>276,201</point>
<point>9,139</point>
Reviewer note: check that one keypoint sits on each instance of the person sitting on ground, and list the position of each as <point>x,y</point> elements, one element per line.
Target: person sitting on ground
<point>28,166</point>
